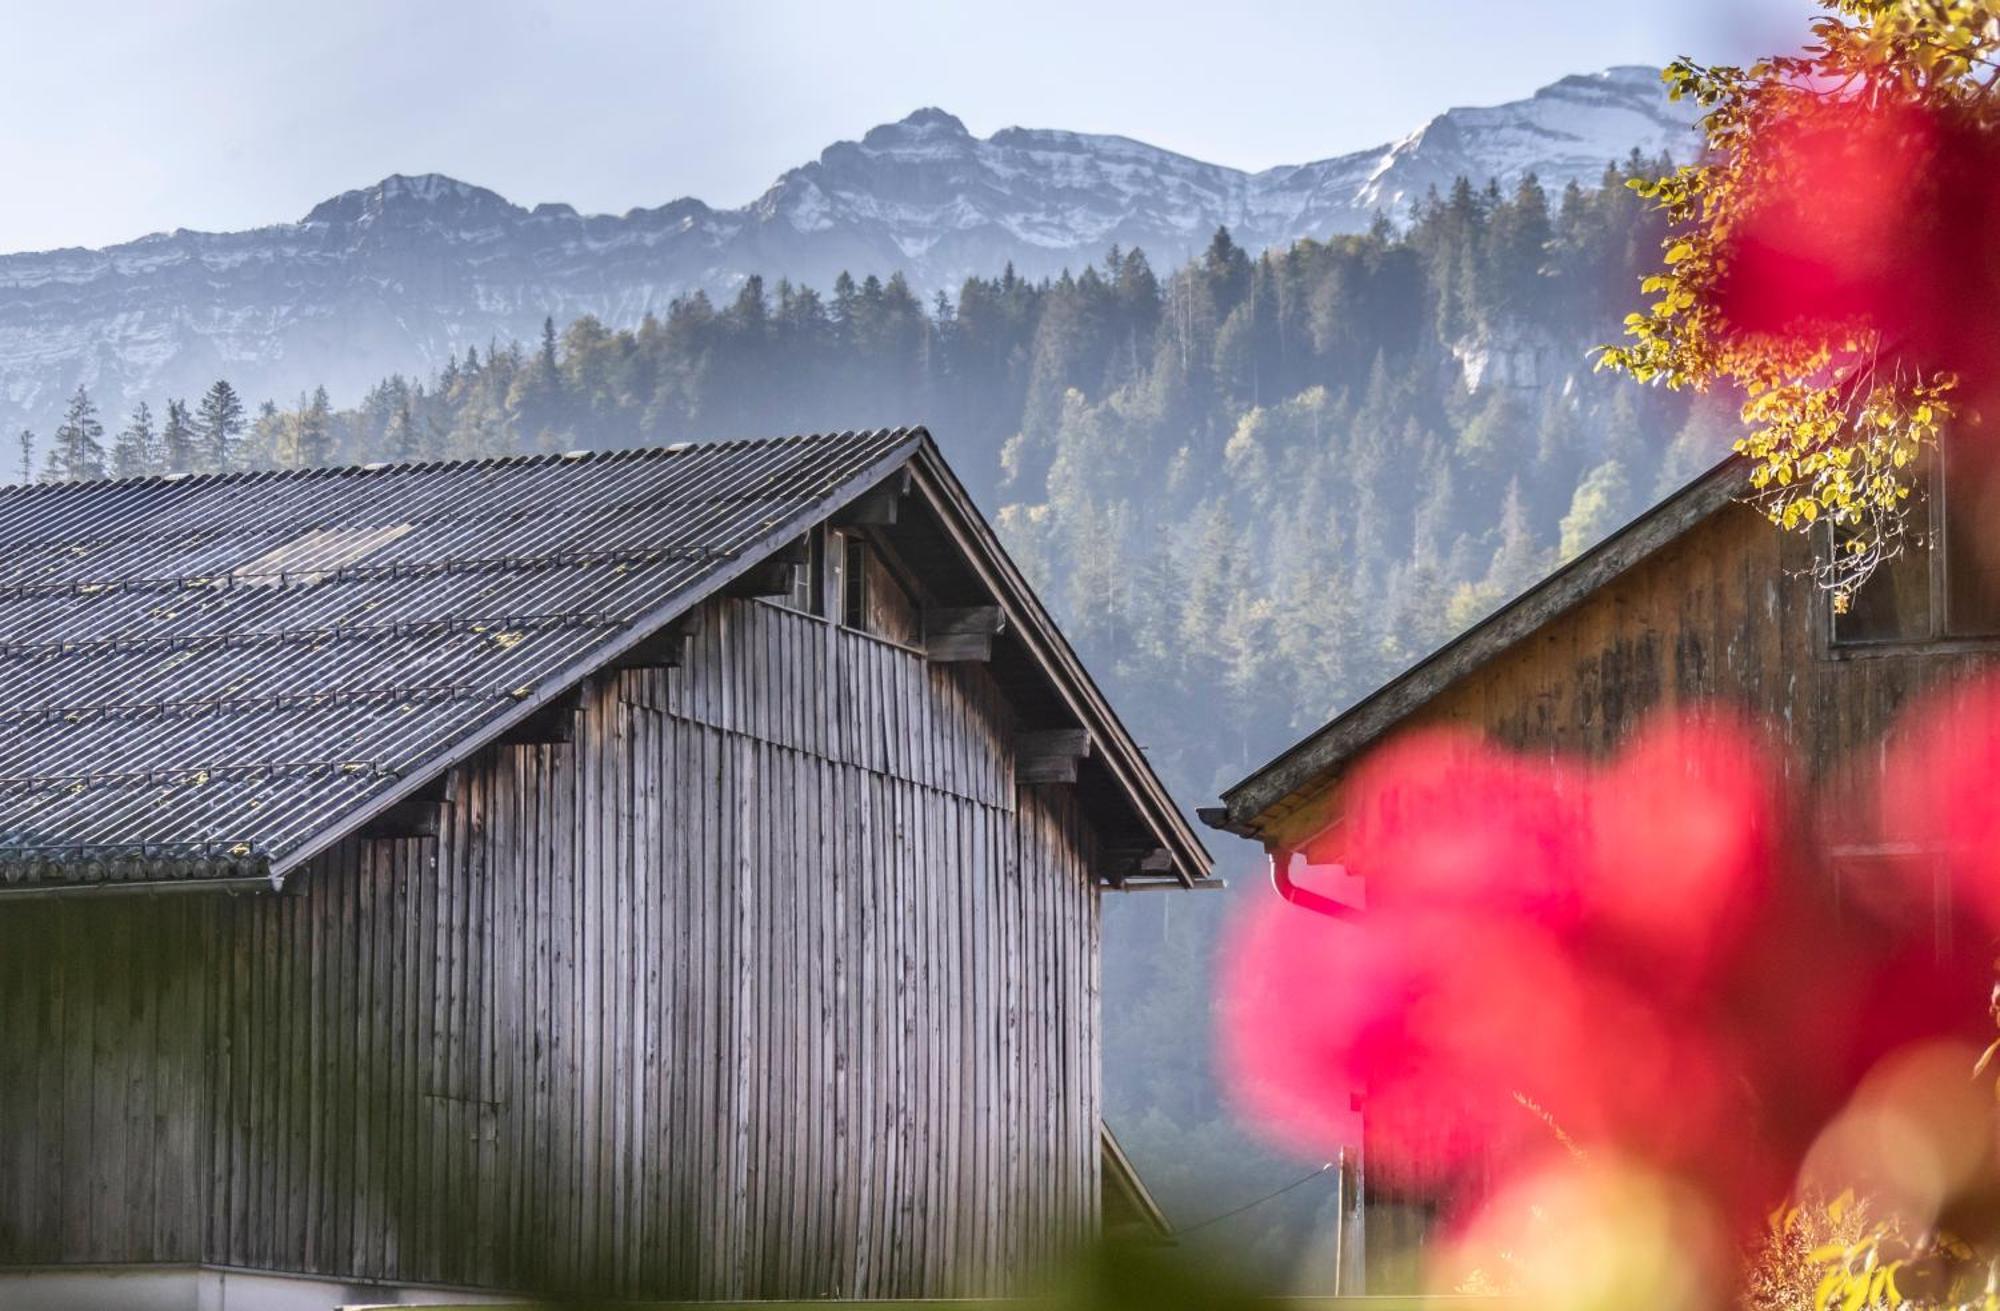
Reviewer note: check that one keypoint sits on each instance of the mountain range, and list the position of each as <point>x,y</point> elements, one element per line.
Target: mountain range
<point>400,275</point>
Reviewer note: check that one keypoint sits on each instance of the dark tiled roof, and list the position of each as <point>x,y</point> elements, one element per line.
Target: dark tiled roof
<point>204,675</point>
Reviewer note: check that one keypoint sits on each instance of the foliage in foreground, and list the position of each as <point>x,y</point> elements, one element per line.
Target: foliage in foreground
<point>1830,259</point>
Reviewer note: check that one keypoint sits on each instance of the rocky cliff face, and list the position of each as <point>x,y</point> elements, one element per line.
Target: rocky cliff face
<point>396,276</point>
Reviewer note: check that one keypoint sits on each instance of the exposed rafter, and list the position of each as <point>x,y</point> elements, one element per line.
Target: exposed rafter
<point>964,633</point>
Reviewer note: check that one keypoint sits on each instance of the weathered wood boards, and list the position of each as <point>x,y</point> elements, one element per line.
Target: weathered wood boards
<point>1719,614</point>
<point>1715,614</point>
<point>767,976</point>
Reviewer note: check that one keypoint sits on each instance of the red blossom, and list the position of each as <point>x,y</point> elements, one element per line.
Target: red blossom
<point>1879,215</point>
<point>1937,794</point>
<point>1641,959</point>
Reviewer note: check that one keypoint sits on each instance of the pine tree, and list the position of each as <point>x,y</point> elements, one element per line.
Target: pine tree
<point>1225,274</point>
<point>218,426</point>
<point>179,449</point>
<point>1603,502</point>
<point>312,432</point>
<point>136,452</point>
<point>77,452</point>
<point>548,353</point>
<point>399,438</point>
<point>27,469</point>
<point>269,442</point>
<point>1518,562</point>
<point>1514,286</point>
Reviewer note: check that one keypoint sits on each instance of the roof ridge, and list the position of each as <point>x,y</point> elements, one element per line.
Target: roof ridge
<point>522,459</point>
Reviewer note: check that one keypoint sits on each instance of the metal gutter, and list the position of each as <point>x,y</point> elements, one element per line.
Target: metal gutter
<point>234,885</point>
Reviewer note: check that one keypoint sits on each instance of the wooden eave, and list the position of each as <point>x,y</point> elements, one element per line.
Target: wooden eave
<point>1257,806</point>
<point>1125,1188</point>
<point>1030,625</point>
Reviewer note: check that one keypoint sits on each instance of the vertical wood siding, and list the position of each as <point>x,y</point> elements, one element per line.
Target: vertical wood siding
<point>1720,615</point>
<point>103,1081</point>
<point>771,983</point>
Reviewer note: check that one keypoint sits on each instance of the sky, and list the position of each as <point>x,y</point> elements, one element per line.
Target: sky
<point>126,118</point>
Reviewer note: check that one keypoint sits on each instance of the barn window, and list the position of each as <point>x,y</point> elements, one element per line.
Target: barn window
<point>807,595</point>
<point>871,593</point>
<point>1946,583</point>
<point>1971,506</point>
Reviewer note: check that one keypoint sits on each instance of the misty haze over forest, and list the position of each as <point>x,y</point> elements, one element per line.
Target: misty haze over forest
<point>1259,473</point>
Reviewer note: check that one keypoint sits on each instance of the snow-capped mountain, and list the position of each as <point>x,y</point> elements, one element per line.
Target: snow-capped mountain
<point>396,276</point>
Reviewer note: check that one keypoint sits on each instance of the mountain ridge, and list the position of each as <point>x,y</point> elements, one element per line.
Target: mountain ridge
<point>396,276</point>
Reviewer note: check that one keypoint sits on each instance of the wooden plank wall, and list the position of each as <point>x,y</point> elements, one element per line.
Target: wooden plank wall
<point>769,984</point>
<point>103,1081</point>
<point>1722,615</point>
<point>1719,616</point>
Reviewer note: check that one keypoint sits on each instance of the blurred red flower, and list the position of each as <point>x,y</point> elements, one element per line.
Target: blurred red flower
<point>1642,959</point>
<point>1867,212</point>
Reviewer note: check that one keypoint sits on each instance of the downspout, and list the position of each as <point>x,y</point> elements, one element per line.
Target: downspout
<point>1349,1266</point>
<point>1304,898</point>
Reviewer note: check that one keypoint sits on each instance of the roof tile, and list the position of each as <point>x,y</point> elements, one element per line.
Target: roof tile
<point>213,672</point>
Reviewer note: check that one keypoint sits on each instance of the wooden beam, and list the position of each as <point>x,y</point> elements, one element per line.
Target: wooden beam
<point>878,508</point>
<point>554,723</point>
<point>773,575</point>
<point>1124,863</point>
<point>965,633</point>
<point>1217,817</point>
<point>1169,885</point>
<point>415,816</point>
<point>1157,860</point>
<point>1049,755</point>
<point>663,650</point>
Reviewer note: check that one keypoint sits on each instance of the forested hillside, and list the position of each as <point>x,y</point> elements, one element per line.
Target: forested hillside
<point>1250,488</point>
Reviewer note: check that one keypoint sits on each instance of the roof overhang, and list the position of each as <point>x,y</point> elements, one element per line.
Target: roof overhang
<point>1126,1194</point>
<point>1248,808</point>
<point>1028,623</point>
<point>1031,626</point>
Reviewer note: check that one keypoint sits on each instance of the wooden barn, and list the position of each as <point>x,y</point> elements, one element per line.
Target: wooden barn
<point>1698,600</point>
<point>668,873</point>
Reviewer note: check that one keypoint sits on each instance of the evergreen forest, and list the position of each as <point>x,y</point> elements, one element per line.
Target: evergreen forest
<point>1251,489</point>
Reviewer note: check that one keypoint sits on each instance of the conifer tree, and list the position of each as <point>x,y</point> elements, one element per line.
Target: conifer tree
<point>268,444</point>
<point>312,432</point>
<point>1518,562</point>
<point>136,451</point>
<point>78,449</point>
<point>27,466</point>
<point>548,352</point>
<point>179,443</point>
<point>218,426</point>
<point>1602,502</point>
<point>1226,270</point>
<point>399,438</point>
